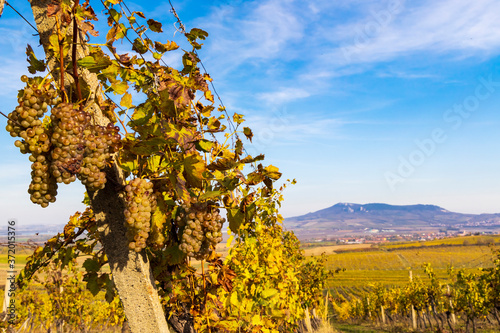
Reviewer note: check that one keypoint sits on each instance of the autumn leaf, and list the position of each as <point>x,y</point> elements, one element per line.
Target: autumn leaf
<point>35,64</point>
<point>169,46</point>
<point>119,87</point>
<point>236,217</point>
<point>88,27</point>
<point>154,25</point>
<point>204,145</point>
<point>91,265</point>
<point>272,172</point>
<point>179,94</point>
<point>53,9</point>
<point>248,133</point>
<point>126,101</point>
<point>139,47</point>
<point>194,167</point>
<point>238,118</point>
<point>250,159</point>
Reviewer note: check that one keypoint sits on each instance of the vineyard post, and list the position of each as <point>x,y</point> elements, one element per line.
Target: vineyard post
<point>382,313</point>
<point>6,298</point>
<point>325,314</point>
<point>131,271</point>
<point>307,321</point>
<point>368,303</point>
<point>413,315</point>
<point>453,318</point>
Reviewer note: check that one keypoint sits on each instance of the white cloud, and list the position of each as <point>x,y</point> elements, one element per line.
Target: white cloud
<point>283,95</point>
<point>405,75</point>
<point>284,128</point>
<point>459,28</point>
<point>255,32</point>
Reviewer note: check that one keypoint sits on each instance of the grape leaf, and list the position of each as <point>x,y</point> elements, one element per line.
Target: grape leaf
<point>154,25</point>
<point>126,101</point>
<point>91,265</point>
<point>119,87</point>
<point>236,218</point>
<point>269,293</point>
<point>209,195</point>
<point>248,133</point>
<point>193,169</point>
<point>35,64</point>
<point>204,145</point>
<point>169,46</point>
<point>272,172</point>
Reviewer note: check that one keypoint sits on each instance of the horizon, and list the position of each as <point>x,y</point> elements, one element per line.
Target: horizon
<point>384,203</point>
<point>391,102</point>
<point>338,203</point>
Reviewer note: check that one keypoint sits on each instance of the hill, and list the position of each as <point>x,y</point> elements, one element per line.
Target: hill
<point>378,216</point>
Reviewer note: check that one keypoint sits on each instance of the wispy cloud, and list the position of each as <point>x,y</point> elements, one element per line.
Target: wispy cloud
<point>264,31</point>
<point>297,46</point>
<point>458,28</point>
<point>13,43</point>
<point>10,77</point>
<point>283,95</point>
<point>285,128</point>
<point>406,75</point>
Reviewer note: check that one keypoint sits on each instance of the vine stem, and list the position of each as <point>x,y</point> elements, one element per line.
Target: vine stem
<point>61,61</point>
<point>121,122</point>
<point>3,114</point>
<point>75,41</point>
<point>205,292</point>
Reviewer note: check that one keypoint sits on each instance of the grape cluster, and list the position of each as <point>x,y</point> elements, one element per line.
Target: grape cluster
<point>201,226</point>
<point>67,139</point>
<point>33,103</point>
<point>140,204</point>
<point>100,142</point>
<point>43,187</point>
<point>63,149</point>
<point>24,122</point>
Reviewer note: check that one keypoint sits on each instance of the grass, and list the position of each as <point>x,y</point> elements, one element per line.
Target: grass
<point>355,328</point>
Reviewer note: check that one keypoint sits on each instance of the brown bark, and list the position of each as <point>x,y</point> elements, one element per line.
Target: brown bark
<point>131,271</point>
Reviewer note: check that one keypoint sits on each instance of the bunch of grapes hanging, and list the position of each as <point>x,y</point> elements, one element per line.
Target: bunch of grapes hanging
<point>200,226</point>
<point>62,148</point>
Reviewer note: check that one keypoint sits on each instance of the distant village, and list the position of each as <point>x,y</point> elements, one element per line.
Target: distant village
<point>376,236</point>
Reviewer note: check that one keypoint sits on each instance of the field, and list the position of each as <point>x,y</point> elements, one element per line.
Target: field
<point>393,267</point>
<point>467,240</point>
<point>363,265</point>
<point>391,264</point>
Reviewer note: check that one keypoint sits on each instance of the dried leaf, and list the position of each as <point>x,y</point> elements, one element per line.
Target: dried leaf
<point>53,9</point>
<point>35,64</point>
<point>154,25</point>
<point>248,133</point>
<point>88,28</point>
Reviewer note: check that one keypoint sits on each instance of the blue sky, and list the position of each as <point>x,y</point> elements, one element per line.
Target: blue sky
<point>360,101</point>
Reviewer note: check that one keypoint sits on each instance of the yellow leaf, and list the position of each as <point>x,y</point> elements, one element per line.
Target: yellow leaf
<point>209,96</point>
<point>194,167</point>
<point>229,241</point>
<point>119,87</point>
<point>269,292</point>
<point>256,320</point>
<point>126,101</point>
<point>234,299</point>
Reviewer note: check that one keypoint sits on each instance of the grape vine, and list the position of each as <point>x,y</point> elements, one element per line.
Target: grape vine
<point>174,180</point>
<point>440,303</point>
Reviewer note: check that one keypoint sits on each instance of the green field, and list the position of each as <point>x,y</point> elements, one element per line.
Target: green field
<point>392,267</point>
